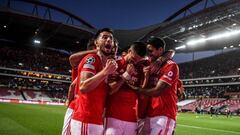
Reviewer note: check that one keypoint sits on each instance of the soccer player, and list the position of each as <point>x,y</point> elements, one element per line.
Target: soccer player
<point>93,70</point>
<point>162,88</point>
<point>121,104</point>
<point>74,60</point>
<point>180,90</point>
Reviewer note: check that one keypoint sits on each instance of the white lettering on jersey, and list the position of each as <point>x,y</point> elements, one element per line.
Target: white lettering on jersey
<point>167,77</point>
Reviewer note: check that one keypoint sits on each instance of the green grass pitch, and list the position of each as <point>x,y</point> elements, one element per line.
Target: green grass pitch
<point>24,119</point>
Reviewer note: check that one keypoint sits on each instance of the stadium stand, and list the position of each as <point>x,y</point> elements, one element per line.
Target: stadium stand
<point>34,59</point>
<point>205,104</point>
<point>34,89</point>
<point>36,95</point>
<point>6,93</point>
<point>219,65</point>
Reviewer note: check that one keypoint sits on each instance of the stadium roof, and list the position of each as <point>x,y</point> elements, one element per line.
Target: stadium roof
<point>201,27</point>
<point>42,23</point>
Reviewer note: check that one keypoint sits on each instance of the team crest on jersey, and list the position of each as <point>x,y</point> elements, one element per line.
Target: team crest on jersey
<point>90,60</point>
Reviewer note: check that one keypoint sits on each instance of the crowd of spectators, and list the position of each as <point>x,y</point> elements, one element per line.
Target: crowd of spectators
<point>45,60</point>
<point>211,91</point>
<point>219,65</point>
<point>34,59</point>
<point>212,80</point>
<point>52,61</point>
<point>206,92</point>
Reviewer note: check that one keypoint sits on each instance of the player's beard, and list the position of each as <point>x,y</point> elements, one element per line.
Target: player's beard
<point>153,58</point>
<point>106,53</point>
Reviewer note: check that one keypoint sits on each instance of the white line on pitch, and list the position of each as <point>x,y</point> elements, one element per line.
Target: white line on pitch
<point>220,130</point>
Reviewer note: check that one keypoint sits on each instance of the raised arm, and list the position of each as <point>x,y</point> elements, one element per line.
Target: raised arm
<point>89,81</point>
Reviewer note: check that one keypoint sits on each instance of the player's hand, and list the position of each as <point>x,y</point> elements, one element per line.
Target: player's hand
<point>111,66</point>
<point>131,69</point>
<point>146,70</point>
<point>67,102</point>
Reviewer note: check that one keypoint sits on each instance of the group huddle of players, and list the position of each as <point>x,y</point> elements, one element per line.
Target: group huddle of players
<point>132,94</point>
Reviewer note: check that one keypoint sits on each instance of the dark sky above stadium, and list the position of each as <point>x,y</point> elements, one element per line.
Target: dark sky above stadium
<point>121,14</point>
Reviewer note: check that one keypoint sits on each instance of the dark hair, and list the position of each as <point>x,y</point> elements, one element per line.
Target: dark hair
<point>91,45</point>
<point>102,30</point>
<point>139,48</point>
<point>156,42</point>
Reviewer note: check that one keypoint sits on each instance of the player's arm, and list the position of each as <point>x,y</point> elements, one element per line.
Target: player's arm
<point>75,58</point>
<point>165,81</point>
<point>89,81</point>
<point>71,90</point>
<point>146,72</point>
<point>115,85</point>
<point>180,92</point>
<point>155,91</point>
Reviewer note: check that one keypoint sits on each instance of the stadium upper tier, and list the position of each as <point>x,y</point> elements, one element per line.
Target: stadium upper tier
<point>35,59</point>
<point>45,60</point>
<point>219,65</point>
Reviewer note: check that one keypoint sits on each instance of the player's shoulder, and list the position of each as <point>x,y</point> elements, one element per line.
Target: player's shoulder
<point>171,63</point>
<point>92,55</point>
<point>120,60</point>
<point>91,58</point>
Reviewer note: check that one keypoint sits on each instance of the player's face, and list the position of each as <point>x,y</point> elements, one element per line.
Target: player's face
<point>114,50</point>
<point>134,57</point>
<point>105,43</point>
<point>153,53</point>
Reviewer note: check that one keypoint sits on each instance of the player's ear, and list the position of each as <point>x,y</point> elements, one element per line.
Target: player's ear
<point>96,43</point>
<point>161,50</point>
<point>129,50</point>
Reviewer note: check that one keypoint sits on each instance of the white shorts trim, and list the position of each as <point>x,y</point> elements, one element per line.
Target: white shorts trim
<point>162,125</point>
<point>67,120</point>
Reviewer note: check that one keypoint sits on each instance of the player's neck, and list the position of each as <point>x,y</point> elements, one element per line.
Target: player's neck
<point>102,57</point>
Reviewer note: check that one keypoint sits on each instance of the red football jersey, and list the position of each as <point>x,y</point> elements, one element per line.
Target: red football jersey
<point>122,104</point>
<point>90,106</point>
<point>166,103</point>
<point>143,101</point>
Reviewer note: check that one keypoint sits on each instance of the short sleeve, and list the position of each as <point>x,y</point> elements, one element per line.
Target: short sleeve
<point>170,74</point>
<point>89,64</point>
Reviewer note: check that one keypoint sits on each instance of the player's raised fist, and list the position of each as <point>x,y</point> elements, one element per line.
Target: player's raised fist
<point>111,66</point>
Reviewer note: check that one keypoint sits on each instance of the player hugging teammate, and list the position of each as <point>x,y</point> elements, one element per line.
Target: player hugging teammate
<point>122,95</point>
